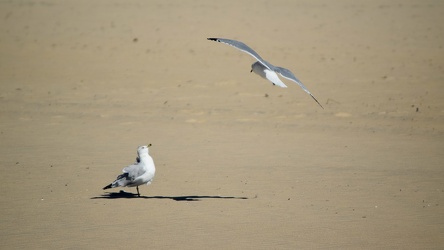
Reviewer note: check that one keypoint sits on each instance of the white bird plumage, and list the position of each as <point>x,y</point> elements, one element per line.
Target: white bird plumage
<point>265,69</point>
<point>265,73</point>
<point>139,173</point>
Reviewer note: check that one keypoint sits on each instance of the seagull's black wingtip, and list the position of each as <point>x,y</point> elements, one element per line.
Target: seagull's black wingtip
<point>212,39</point>
<point>316,100</point>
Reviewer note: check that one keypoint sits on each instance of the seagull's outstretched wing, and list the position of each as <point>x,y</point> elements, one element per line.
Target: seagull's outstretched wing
<point>243,47</point>
<point>290,76</point>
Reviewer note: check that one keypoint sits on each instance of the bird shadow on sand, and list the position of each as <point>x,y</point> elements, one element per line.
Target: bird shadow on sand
<point>125,195</point>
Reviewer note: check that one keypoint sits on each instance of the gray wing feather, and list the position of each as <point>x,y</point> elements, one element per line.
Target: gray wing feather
<point>134,171</point>
<point>243,47</point>
<point>130,173</point>
<point>290,76</point>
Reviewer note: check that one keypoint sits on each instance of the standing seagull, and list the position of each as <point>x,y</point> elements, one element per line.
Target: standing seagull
<point>263,68</point>
<point>139,173</point>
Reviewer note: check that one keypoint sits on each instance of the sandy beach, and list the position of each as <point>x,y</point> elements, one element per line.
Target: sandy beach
<point>240,163</point>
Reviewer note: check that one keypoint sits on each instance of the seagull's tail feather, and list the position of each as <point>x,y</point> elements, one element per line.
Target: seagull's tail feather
<point>119,182</point>
<point>116,183</point>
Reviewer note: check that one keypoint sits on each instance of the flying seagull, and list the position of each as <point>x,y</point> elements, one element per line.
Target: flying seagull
<point>141,172</point>
<point>263,68</point>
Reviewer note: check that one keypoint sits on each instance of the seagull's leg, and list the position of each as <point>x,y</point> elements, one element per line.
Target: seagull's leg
<point>138,194</point>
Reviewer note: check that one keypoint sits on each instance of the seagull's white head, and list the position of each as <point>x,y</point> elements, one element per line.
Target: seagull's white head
<point>141,150</point>
<point>258,68</point>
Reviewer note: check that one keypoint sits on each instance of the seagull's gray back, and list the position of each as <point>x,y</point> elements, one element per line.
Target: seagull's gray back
<point>134,170</point>
<point>130,174</point>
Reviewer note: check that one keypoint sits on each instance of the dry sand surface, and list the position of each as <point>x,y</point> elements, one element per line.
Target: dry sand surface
<point>241,164</point>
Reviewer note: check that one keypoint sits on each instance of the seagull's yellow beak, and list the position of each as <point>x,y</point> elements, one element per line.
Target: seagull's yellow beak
<point>149,145</point>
